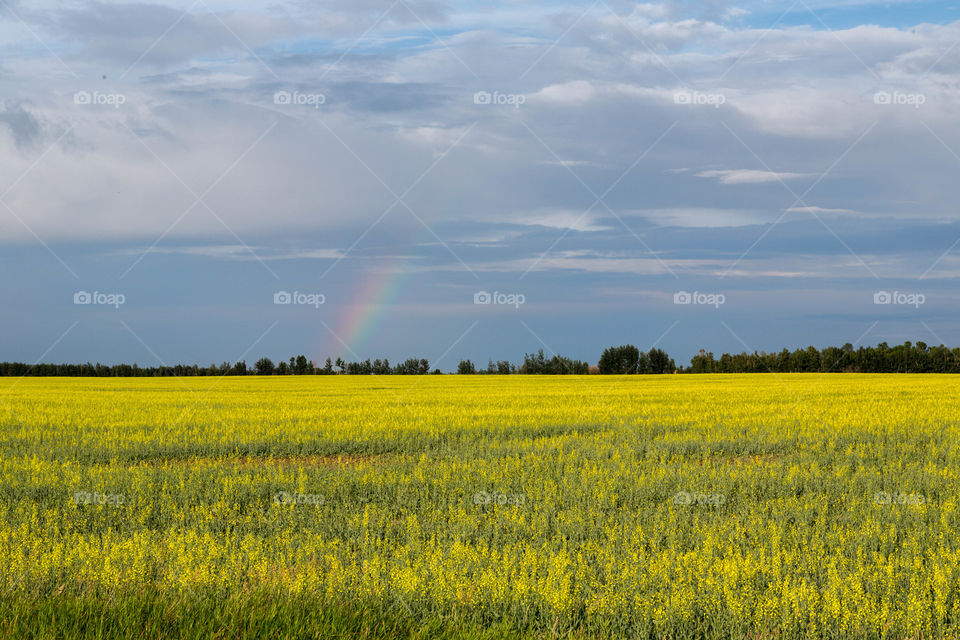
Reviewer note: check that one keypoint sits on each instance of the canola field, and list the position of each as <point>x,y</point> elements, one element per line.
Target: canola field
<point>677,506</point>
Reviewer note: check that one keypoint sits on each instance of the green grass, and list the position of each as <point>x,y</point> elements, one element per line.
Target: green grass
<point>151,615</point>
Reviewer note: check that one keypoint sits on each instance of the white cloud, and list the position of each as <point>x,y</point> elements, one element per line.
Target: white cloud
<point>706,217</point>
<point>568,163</point>
<point>399,100</point>
<point>577,92</point>
<point>238,252</point>
<point>735,12</point>
<point>573,220</point>
<point>749,176</point>
<point>813,209</point>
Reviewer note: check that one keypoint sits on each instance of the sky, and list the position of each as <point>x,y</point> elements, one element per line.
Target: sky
<point>207,181</point>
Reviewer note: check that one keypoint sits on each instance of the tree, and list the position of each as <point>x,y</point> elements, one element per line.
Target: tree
<point>465,367</point>
<point>660,362</point>
<point>703,362</point>
<point>538,363</point>
<point>619,360</point>
<point>264,367</point>
<point>412,367</point>
<point>534,363</point>
<point>302,367</point>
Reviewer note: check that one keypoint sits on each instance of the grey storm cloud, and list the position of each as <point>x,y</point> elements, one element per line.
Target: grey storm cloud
<point>23,126</point>
<point>671,109</point>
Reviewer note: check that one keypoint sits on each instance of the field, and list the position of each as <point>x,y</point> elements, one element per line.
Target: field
<point>716,506</point>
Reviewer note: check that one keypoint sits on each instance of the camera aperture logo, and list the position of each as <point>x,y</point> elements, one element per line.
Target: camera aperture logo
<point>908,499</point>
<point>899,98</point>
<point>512,299</point>
<point>115,100</point>
<point>308,299</point>
<point>700,99</point>
<point>99,298</point>
<point>699,298</point>
<point>685,499</point>
<point>88,497</point>
<point>500,499</point>
<point>899,298</point>
<point>496,98</point>
<point>297,99</point>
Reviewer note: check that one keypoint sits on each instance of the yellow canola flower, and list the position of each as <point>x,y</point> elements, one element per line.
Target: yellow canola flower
<point>789,505</point>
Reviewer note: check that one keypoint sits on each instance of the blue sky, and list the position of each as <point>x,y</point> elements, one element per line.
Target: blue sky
<point>597,160</point>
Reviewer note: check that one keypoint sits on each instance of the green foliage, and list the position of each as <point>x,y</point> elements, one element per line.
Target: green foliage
<point>619,360</point>
<point>905,358</point>
<point>538,363</point>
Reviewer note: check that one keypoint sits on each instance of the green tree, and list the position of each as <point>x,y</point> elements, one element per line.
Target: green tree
<point>660,362</point>
<point>264,367</point>
<point>302,366</point>
<point>619,360</point>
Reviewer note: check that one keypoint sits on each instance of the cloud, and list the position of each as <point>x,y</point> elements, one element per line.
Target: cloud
<point>22,125</point>
<point>572,220</point>
<point>568,163</point>
<point>735,12</point>
<point>819,210</point>
<point>237,252</point>
<point>399,114</point>
<point>706,217</point>
<point>750,176</point>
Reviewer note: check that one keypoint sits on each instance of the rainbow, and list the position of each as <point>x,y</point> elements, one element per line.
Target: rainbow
<point>363,314</point>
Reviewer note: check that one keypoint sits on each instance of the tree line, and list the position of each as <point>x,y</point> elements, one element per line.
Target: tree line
<point>623,359</point>
<point>533,363</point>
<point>905,358</point>
<point>298,366</point>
